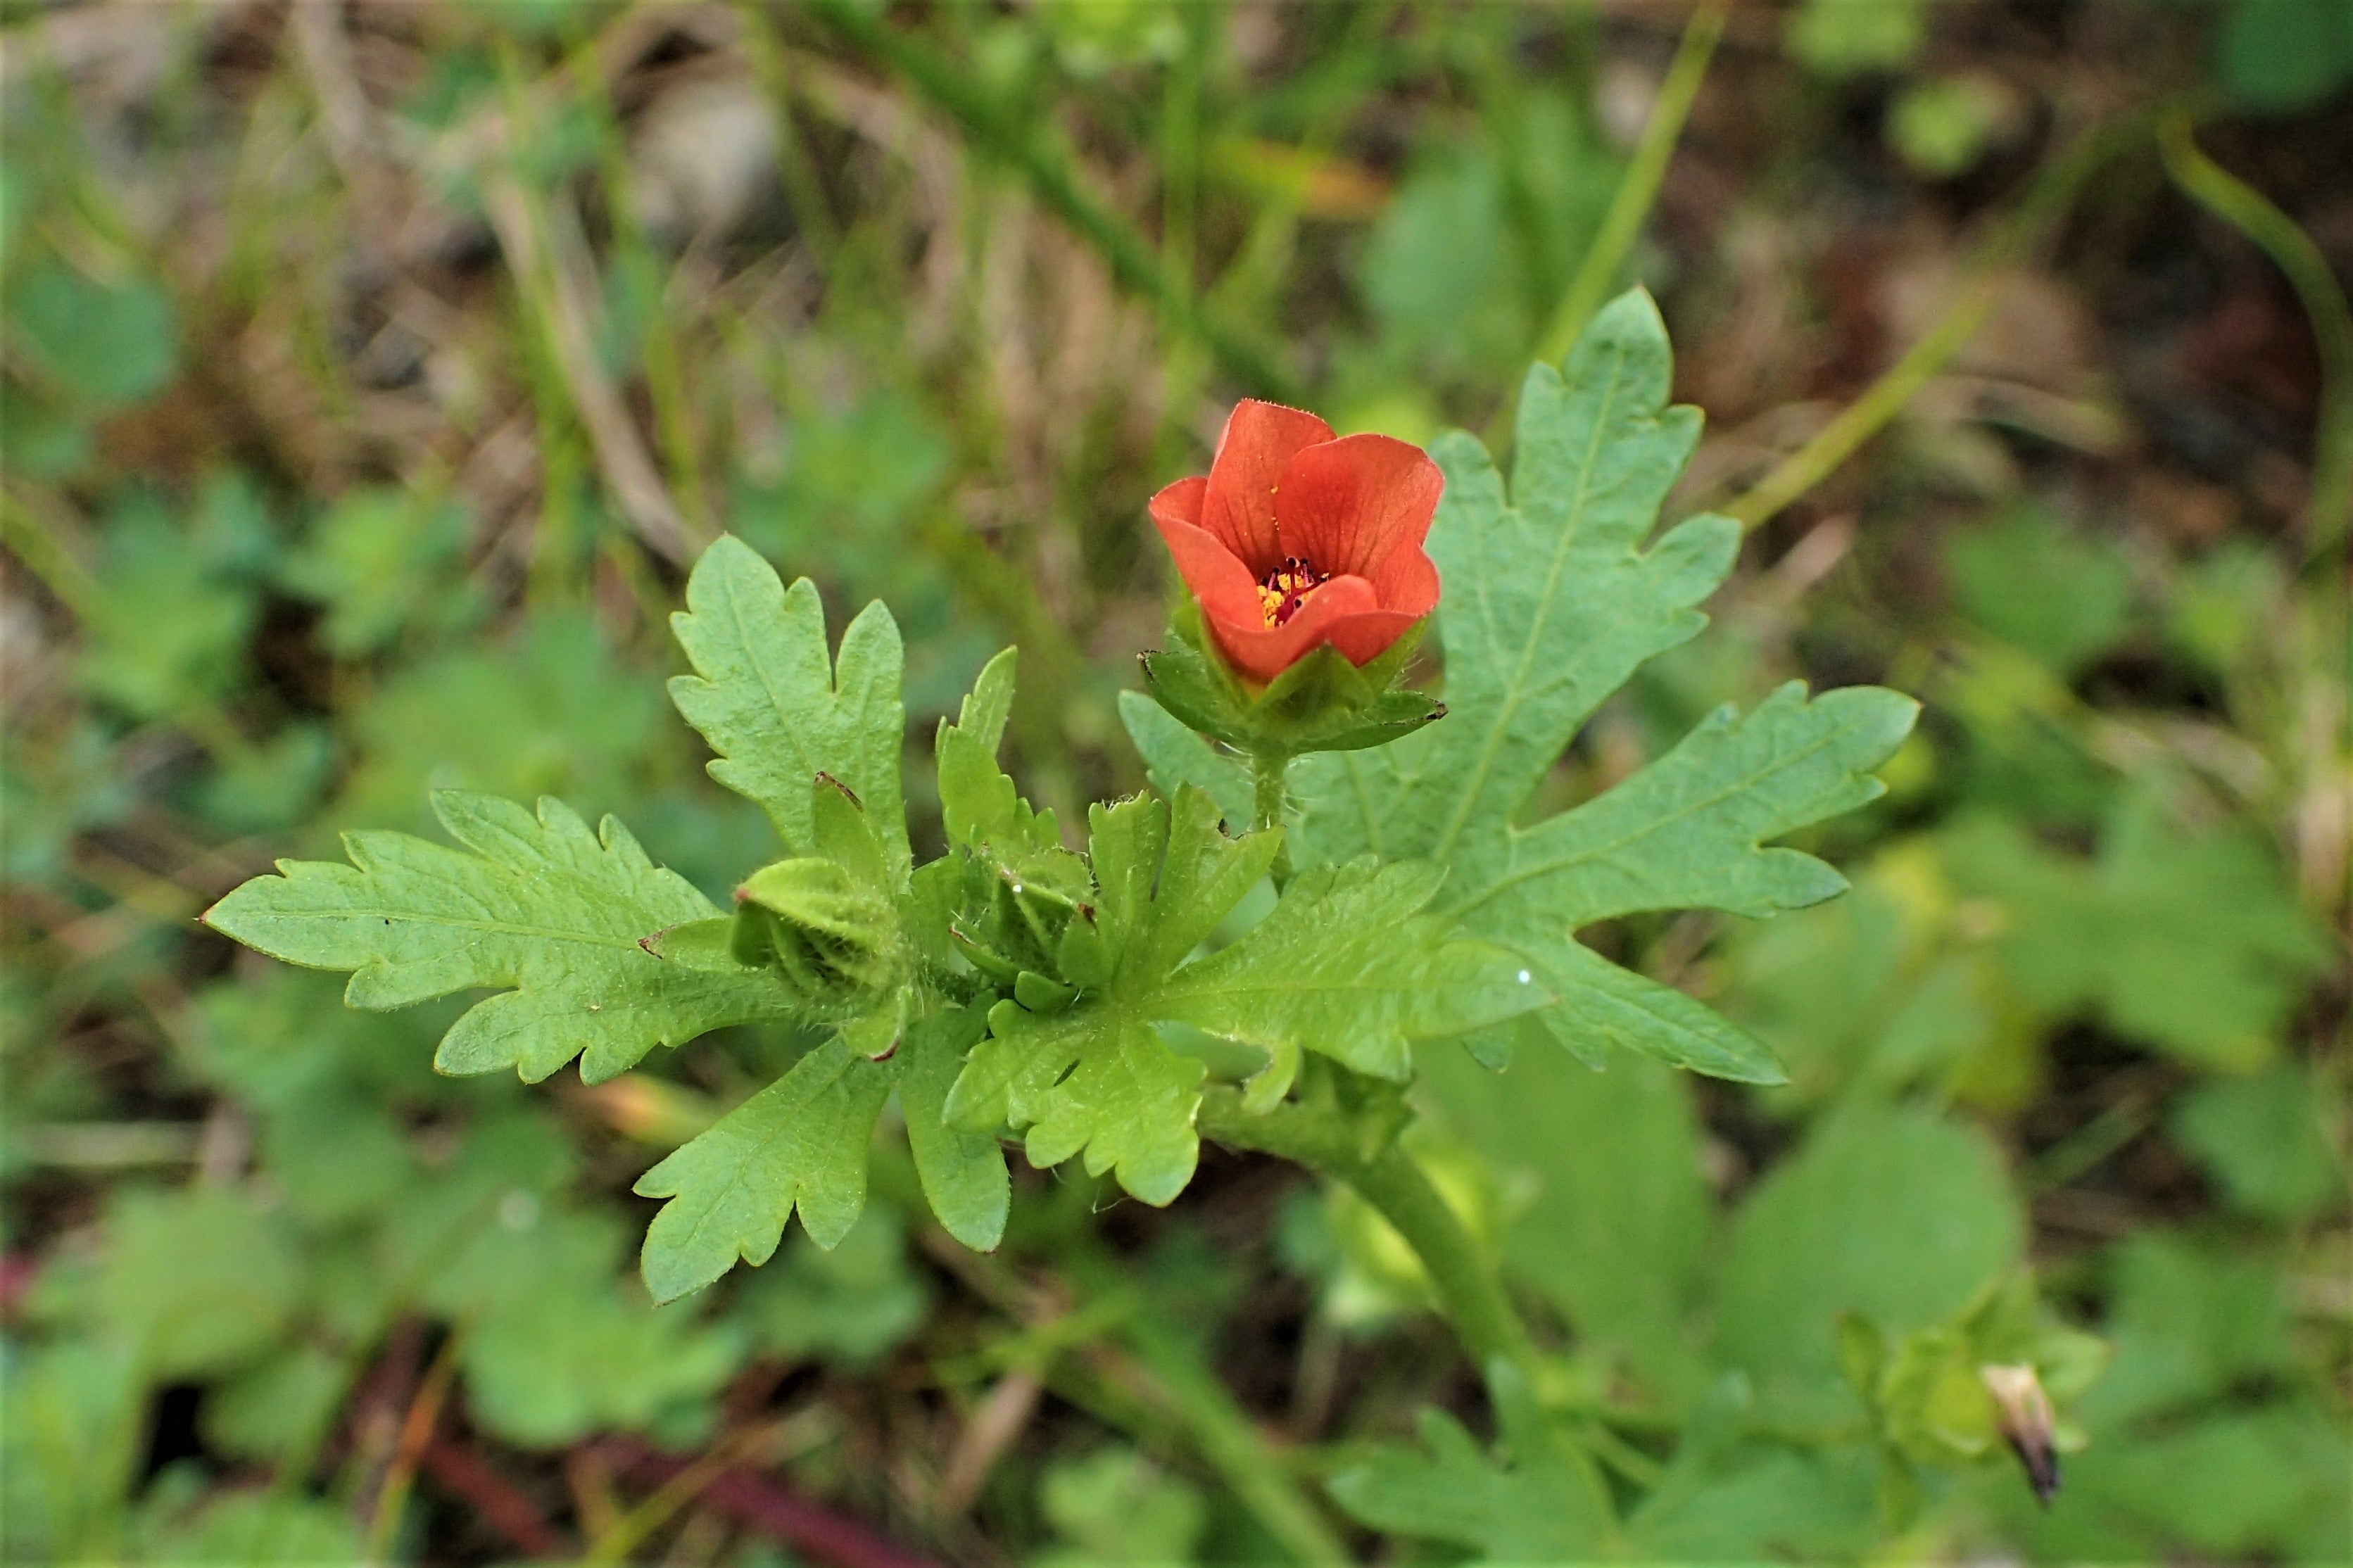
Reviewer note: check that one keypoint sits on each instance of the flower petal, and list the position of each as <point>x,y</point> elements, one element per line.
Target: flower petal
<point>1346,505</point>
<point>1365,636</point>
<point>1179,503</point>
<point>1342,612</point>
<point>1211,574</point>
<point>1260,440</point>
<point>1407,582</point>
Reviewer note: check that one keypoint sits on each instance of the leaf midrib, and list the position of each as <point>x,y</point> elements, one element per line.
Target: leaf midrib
<point>781,727</point>
<point>495,928</point>
<point>1651,825</point>
<point>1516,691</point>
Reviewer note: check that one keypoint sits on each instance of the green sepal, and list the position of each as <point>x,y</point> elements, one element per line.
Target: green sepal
<point>813,919</point>
<point>707,946</point>
<point>1039,995</point>
<point>1322,703</point>
<point>828,922</point>
<point>1927,1390</point>
<point>877,1035</point>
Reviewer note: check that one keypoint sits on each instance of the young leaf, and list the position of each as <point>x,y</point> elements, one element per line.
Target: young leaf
<point>1544,1504</point>
<point>801,1143</point>
<point>775,709</point>
<point>1551,603</point>
<point>1348,964</point>
<point>1097,1079</point>
<point>963,1172</point>
<point>798,1144</point>
<point>543,908</point>
<point>989,704</point>
<point>1009,886</point>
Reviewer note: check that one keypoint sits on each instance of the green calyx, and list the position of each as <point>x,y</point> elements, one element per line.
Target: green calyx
<point>827,923</point>
<point>1322,703</point>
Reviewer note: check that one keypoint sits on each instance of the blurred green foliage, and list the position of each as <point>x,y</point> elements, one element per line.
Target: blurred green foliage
<point>310,352</point>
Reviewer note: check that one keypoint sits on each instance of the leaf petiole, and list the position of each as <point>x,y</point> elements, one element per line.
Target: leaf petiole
<point>1349,1145</point>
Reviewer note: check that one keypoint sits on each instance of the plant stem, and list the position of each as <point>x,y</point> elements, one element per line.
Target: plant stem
<point>2248,210</point>
<point>1270,778</point>
<point>2052,192</point>
<point>616,1542</point>
<point>1469,1286</point>
<point>1048,168</point>
<point>415,1432</point>
<point>1622,223</point>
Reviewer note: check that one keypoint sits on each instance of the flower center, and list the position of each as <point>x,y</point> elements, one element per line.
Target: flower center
<point>1285,588</point>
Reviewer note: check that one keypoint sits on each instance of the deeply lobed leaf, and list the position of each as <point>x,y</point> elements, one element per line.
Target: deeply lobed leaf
<point>1540,1500</point>
<point>1348,964</point>
<point>543,909</point>
<point>800,1145</point>
<point>777,709</point>
<point>1551,603</point>
<point>1096,1080</point>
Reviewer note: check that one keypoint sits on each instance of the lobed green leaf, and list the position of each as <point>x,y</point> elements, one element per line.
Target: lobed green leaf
<point>1350,965</point>
<point>550,913</point>
<point>799,1143</point>
<point>1540,1500</point>
<point>777,709</point>
<point>1551,603</point>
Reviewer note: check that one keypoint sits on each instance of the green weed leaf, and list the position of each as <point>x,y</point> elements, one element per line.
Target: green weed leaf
<point>1551,603</point>
<point>537,906</point>
<point>2192,943</point>
<point>777,709</point>
<point>1540,1500</point>
<point>800,1145</point>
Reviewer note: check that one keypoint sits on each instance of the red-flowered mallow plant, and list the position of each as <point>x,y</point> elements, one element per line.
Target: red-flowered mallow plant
<point>1013,987</point>
<point>1296,539</point>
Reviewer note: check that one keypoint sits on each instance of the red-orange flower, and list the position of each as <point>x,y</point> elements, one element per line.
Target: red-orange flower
<point>1295,539</point>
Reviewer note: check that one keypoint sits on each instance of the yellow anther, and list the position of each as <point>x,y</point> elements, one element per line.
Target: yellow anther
<point>1286,588</point>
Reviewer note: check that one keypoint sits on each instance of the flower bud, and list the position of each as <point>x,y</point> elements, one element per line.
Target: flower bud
<point>2022,1416</point>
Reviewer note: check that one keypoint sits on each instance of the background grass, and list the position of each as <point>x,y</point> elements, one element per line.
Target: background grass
<point>371,371</point>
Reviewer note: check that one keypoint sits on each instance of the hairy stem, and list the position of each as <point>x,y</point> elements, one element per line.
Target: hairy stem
<point>1270,779</point>
<point>1469,1286</point>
